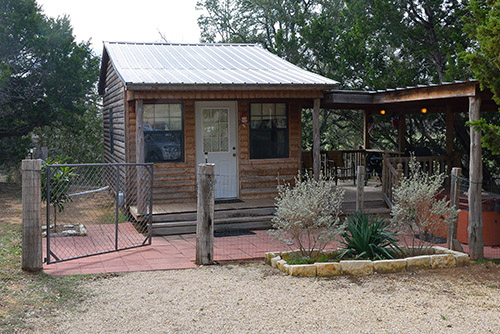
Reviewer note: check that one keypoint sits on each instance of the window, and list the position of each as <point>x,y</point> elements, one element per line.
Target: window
<point>268,130</point>
<point>163,132</point>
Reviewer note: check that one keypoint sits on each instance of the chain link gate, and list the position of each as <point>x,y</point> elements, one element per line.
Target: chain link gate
<point>94,209</point>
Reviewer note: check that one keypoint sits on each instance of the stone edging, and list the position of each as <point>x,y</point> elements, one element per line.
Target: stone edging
<point>442,258</point>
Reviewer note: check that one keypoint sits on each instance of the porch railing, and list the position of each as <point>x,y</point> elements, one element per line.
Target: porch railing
<point>395,167</point>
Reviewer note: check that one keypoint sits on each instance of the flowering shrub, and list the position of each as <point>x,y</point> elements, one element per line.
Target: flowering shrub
<point>416,210</point>
<point>307,214</point>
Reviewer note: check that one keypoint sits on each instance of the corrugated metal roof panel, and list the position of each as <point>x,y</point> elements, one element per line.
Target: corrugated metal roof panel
<point>206,64</point>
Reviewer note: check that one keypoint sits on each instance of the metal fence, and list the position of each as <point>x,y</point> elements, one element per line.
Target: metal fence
<point>96,208</point>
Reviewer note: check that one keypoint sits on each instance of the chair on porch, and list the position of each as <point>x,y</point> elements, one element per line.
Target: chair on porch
<point>307,162</point>
<point>338,168</point>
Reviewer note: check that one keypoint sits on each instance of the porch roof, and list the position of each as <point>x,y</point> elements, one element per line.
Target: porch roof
<point>435,97</point>
<point>152,66</point>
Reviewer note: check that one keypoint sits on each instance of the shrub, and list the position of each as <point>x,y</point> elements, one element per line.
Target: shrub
<point>307,214</point>
<point>416,210</point>
<point>368,237</point>
<point>60,181</point>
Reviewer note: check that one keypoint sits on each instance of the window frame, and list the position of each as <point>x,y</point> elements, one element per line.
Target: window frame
<point>273,130</point>
<point>180,132</point>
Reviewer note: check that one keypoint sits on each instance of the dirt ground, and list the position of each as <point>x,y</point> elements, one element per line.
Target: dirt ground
<point>246,297</point>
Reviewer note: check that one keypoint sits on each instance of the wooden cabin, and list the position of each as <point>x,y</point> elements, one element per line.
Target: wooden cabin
<point>178,105</point>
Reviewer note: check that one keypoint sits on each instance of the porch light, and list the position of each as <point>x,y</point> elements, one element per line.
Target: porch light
<point>423,110</point>
<point>382,112</point>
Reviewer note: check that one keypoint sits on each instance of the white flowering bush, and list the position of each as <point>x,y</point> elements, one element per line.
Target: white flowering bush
<point>307,214</point>
<point>417,211</point>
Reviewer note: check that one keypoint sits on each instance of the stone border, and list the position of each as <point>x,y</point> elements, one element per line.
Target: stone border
<point>441,258</point>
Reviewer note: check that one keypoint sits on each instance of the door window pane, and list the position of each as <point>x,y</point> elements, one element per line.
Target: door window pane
<point>215,130</point>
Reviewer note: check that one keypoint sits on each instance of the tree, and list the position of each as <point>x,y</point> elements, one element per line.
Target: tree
<point>484,27</point>
<point>45,76</point>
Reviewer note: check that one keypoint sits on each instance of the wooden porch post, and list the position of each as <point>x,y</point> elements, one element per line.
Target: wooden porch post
<point>475,229</point>
<point>401,133</point>
<point>366,134</point>
<point>316,140</point>
<point>139,157</point>
<point>450,134</point>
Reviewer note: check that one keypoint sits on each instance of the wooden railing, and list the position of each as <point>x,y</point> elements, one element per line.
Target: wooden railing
<point>394,168</point>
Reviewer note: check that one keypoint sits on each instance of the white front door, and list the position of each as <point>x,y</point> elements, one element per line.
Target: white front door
<point>216,142</point>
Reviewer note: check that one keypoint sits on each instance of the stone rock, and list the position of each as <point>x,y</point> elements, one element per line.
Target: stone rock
<point>327,269</point>
<point>280,264</point>
<point>357,267</point>
<point>268,256</point>
<point>389,266</point>
<point>443,261</point>
<point>274,260</point>
<point>302,270</point>
<point>418,262</point>
<point>462,259</point>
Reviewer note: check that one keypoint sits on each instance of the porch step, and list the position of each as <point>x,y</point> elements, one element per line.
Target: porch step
<point>219,214</point>
<point>220,224</point>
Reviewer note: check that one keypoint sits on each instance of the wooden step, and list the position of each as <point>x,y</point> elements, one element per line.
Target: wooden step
<point>221,224</point>
<point>251,212</point>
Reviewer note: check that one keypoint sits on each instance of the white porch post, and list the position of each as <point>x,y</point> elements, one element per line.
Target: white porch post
<point>316,140</point>
<point>475,229</point>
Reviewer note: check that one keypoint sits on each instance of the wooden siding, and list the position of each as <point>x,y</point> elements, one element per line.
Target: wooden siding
<point>175,182</point>
<point>114,99</point>
<point>259,177</point>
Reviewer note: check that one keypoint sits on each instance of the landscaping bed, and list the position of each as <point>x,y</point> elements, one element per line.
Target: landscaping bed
<point>435,257</point>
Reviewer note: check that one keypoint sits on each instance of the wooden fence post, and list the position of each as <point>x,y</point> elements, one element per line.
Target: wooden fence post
<point>205,214</point>
<point>475,229</point>
<point>32,215</point>
<point>400,173</point>
<point>454,202</point>
<point>360,175</point>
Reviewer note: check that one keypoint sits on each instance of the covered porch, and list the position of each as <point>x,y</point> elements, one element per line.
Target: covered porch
<point>234,215</point>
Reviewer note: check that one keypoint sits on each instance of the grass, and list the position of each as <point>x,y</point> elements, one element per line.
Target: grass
<point>24,295</point>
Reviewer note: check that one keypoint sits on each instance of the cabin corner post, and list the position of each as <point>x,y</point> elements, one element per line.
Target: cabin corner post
<point>475,229</point>
<point>316,140</point>
<point>205,214</point>
<point>139,157</point>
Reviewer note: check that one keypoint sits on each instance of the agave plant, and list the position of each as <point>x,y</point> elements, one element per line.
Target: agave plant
<point>368,237</point>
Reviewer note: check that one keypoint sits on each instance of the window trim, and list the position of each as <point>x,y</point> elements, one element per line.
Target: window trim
<point>182,133</point>
<point>272,129</point>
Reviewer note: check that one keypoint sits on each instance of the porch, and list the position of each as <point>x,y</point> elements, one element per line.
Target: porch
<point>180,218</point>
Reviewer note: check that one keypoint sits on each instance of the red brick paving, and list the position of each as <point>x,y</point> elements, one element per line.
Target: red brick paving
<point>176,252</point>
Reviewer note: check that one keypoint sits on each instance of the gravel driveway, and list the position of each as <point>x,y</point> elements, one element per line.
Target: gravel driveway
<point>253,298</point>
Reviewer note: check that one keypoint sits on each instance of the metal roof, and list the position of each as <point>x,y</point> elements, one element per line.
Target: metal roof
<point>204,65</point>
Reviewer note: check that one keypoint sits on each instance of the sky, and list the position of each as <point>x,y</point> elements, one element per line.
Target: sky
<point>127,20</point>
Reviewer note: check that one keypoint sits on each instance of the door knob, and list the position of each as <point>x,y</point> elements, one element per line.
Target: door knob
<point>234,154</point>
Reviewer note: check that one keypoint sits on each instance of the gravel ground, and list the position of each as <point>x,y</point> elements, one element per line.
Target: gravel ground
<point>254,298</point>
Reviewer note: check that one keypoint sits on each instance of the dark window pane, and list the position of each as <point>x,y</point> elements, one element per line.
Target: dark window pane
<point>268,131</point>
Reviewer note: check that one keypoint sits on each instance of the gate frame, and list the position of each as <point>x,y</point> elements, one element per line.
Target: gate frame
<point>149,216</point>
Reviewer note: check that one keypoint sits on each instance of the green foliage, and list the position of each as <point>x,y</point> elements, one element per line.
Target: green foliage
<point>484,59</point>
<point>416,210</point>
<point>368,237</point>
<point>307,214</point>
<point>311,260</point>
<point>46,78</point>
<point>60,182</point>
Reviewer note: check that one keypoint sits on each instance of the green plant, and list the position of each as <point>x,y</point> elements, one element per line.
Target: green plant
<point>369,237</point>
<point>60,181</point>
<point>310,260</point>
<point>307,214</point>
<point>416,211</point>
